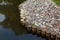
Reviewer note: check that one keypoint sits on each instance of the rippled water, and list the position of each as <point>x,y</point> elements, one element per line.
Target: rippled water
<point>10,26</point>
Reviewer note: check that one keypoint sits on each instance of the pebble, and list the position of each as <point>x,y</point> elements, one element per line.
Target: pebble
<point>40,12</point>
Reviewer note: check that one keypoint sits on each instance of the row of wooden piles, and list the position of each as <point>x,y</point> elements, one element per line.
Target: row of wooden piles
<point>42,32</point>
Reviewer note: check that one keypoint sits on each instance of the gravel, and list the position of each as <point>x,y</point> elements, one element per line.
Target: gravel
<point>41,12</point>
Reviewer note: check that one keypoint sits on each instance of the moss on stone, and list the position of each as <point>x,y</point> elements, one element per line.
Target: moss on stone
<point>33,24</point>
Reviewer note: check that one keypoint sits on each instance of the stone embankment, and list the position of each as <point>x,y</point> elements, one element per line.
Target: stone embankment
<point>41,17</point>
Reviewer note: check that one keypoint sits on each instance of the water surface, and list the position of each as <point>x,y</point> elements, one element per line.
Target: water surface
<point>10,26</point>
<point>8,34</point>
<point>10,10</point>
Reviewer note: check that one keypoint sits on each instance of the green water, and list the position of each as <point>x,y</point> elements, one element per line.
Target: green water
<point>12,16</point>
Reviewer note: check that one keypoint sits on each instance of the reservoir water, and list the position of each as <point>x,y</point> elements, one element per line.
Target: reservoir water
<point>10,26</point>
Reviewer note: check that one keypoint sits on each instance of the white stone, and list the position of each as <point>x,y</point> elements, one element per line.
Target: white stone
<point>22,11</point>
<point>37,14</point>
<point>2,17</point>
<point>22,20</point>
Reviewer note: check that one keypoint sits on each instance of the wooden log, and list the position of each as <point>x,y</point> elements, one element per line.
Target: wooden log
<point>29,28</point>
<point>43,32</point>
<point>26,25</point>
<point>58,37</point>
<point>39,31</point>
<point>48,34</point>
<point>34,29</point>
<point>53,35</point>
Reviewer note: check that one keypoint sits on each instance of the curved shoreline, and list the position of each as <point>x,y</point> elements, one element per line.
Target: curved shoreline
<point>40,30</point>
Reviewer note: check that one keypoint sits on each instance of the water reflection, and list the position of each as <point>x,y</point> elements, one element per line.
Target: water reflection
<point>11,28</point>
<point>29,37</point>
<point>2,17</point>
<point>12,16</point>
<point>8,34</point>
<point>5,3</point>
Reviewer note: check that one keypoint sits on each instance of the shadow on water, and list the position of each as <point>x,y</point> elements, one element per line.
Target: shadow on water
<point>8,34</point>
<point>10,26</point>
<point>12,16</point>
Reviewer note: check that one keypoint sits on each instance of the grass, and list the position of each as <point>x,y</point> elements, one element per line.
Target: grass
<point>57,2</point>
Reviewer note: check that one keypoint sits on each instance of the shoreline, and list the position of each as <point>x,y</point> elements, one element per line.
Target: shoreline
<point>44,30</point>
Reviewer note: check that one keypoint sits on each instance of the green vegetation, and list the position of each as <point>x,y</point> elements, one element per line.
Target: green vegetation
<point>57,2</point>
<point>33,24</point>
